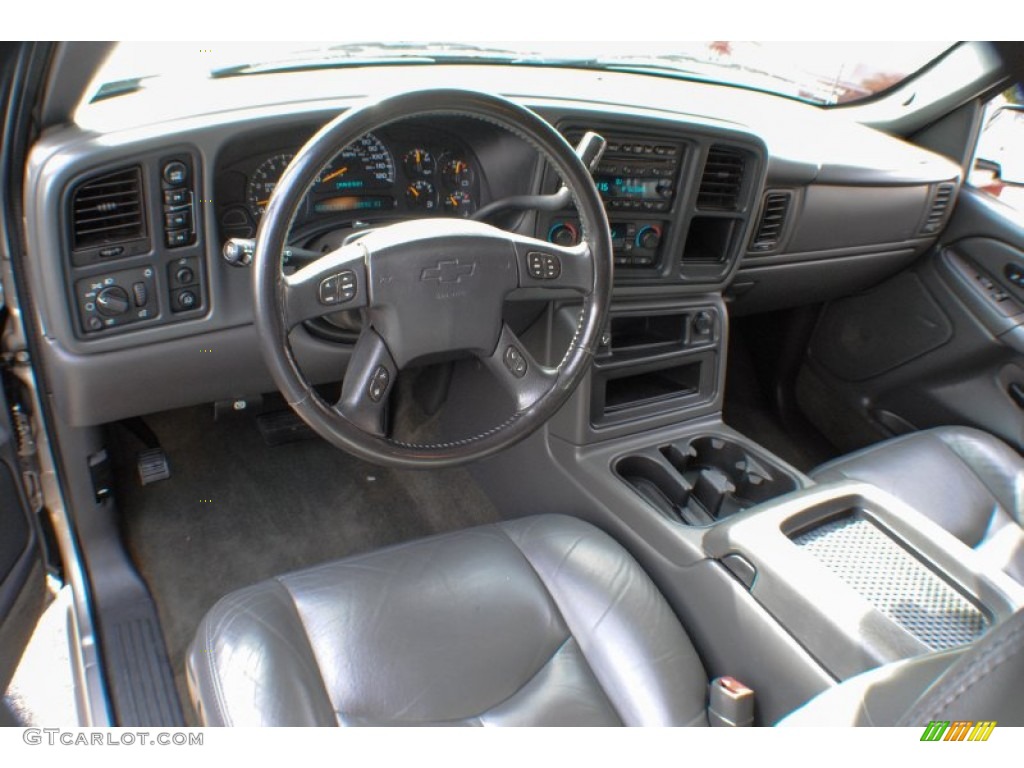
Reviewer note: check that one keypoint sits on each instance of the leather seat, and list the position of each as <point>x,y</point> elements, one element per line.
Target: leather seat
<point>540,621</point>
<point>967,481</point>
<point>544,620</point>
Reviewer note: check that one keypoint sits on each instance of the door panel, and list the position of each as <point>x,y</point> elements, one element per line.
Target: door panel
<point>942,343</point>
<point>22,574</point>
<point>22,578</point>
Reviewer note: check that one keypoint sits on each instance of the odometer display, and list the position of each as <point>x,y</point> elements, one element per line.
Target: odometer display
<point>341,203</point>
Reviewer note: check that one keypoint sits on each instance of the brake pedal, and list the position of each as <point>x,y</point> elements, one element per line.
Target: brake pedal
<point>153,466</point>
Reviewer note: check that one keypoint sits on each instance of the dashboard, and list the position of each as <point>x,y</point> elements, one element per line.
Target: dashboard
<point>725,196</point>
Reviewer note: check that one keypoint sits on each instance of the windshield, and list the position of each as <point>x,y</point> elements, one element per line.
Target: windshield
<point>817,72</point>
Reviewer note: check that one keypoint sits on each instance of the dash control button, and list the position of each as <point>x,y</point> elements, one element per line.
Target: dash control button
<point>140,294</point>
<point>515,362</point>
<point>175,173</point>
<point>378,384</point>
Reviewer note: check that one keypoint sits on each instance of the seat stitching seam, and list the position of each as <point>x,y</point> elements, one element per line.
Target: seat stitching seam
<point>558,607</point>
<point>988,665</point>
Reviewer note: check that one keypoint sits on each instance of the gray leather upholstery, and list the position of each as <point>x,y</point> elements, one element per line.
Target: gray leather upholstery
<point>967,481</point>
<point>540,621</point>
<point>978,682</point>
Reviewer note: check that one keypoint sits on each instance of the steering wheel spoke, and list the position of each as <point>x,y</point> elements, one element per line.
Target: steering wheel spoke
<point>368,383</point>
<point>546,265</point>
<point>517,370</point>
<point>333,282</point>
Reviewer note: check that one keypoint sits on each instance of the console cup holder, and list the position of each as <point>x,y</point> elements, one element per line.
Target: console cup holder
<point>704,479</point>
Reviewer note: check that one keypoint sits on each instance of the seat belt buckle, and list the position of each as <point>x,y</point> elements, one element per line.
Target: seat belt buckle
<point>730,703</point>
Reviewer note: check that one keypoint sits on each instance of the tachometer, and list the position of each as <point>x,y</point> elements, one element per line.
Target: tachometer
<point>263,182</point>
<point>364,164</point>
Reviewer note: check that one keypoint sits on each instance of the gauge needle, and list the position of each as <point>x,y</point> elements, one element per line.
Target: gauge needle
<point>415,192</point>
<point>453,201</point>
<point>336,174</point>
<point>262,203</point>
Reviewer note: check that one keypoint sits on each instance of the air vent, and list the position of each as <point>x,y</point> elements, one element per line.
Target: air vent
<point>723,177</point>
<point>108,209</point>
<point>772,221</point>
<point>942,202</point>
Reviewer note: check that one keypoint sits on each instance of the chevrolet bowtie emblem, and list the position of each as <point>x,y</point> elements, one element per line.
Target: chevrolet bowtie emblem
<point>449,271</point>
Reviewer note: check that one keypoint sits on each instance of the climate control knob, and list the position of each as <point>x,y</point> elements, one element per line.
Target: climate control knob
<point>563,234</point>
<point>648,238</point>
<point>112,301</point>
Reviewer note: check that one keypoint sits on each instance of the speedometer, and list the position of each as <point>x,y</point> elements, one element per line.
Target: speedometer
<point>263,181</point>
<point>364,164</point>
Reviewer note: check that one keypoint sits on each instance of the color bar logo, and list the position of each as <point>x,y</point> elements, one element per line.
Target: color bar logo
<point>958,730</point>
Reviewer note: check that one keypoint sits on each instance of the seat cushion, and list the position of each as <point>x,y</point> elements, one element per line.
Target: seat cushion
<point>967,481</point>
<point>539,621</point>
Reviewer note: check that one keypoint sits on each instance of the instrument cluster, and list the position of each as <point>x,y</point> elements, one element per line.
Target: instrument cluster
<point>395,173</point>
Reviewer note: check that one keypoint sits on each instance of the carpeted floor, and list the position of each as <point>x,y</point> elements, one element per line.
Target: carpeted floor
<point>749,410</point>
<point>236,511</point>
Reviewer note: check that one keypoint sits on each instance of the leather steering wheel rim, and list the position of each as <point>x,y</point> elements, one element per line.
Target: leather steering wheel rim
<point>392,271</point>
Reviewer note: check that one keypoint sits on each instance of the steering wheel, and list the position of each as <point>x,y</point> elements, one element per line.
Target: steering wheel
<point>428,287</point>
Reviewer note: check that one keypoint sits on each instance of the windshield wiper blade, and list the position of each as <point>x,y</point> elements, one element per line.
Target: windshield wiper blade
<point>119,88</point>
<point>271,68</point>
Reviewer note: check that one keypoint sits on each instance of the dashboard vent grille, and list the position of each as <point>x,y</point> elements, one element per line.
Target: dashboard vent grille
<point>942,203</point>
<point>723,177</point>
<point>772,221</point>
<point>108,209</point>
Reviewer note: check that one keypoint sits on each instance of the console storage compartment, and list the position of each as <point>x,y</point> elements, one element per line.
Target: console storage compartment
<point>859,578</point>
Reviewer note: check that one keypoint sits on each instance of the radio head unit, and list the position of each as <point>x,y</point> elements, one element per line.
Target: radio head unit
<point>637,179</point>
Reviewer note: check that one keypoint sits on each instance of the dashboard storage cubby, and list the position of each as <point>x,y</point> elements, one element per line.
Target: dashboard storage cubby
<point>709,239</point>
<point>704,479</point>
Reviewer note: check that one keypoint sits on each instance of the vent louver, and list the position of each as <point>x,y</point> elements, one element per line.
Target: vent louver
<point>773,219</point>
<point>942,202</point>
<point>108,209</point>
<point>722,180</point>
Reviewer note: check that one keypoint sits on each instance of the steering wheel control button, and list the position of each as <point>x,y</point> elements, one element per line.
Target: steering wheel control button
<point>543,266</point>
<point>515,362</point>
<point>378,384</point>
<point>339,288</point>
<point>175,173</point>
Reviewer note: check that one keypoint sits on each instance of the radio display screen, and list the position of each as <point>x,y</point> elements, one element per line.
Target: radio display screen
<point>626,188</point>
